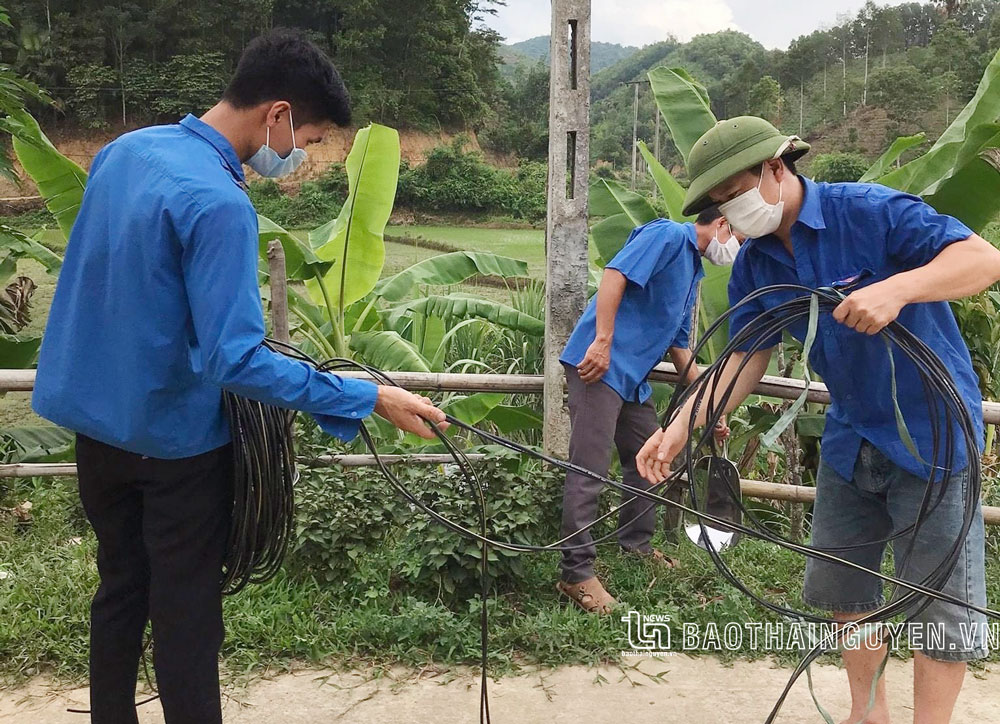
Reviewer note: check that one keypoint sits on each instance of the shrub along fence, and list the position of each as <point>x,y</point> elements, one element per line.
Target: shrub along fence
<point>770,386</point>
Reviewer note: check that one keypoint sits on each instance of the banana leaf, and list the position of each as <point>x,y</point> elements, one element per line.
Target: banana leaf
<point>446,269</point>
<point>463,306</point>
<point>471,409</point>
<point>38,444</point>
<point>353,243</point>
<point>301,261</point>
<point>972,194</point>
<point>673,192</point>
<point>510,419</point>
<point>388,351</point>
<point>714,301</point>
<point>635,206</point>
<point>624,209</point>
<point>60,181</point>
<point>684,103</point>
<point>610,235</point>
<point>884,163</point>
<point>925,174</point>
<point>16,245</point>
<point>18,352</point>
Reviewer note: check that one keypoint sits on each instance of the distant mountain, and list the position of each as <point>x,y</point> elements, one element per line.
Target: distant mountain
<point>602,55</point>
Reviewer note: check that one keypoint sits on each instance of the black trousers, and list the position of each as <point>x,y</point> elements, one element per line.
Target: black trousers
<point>161,530</point>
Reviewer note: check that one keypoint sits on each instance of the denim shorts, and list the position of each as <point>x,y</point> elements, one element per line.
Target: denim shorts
<point>881,499</point>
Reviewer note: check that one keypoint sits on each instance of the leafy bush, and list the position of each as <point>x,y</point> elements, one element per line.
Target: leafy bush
<point>314,204</point>
<point>837,167</point>
<point>453,179</point>
<point>87,100</point>
<point>522,506</point>
<point>344,514</point>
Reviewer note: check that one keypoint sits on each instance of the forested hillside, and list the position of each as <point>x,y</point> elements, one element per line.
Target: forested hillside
<point>602,55</point>
<point>884,72</point>
<point>421,64</point>
<point>434,65</point>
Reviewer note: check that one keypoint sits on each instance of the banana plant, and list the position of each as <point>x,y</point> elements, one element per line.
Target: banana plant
<point>339,264</point>
<point>960,174</point>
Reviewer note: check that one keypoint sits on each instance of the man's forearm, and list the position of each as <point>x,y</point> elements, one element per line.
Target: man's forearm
<point>961,269</point>
<point>681,359</point>
<point>609,298</point>
<point>748,378</point>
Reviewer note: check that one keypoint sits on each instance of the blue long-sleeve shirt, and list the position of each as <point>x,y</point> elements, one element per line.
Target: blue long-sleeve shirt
<point>157,308</point>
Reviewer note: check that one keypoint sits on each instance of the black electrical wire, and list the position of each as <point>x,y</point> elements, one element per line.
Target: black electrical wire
<point>935,378</point>
<point>265,475</point>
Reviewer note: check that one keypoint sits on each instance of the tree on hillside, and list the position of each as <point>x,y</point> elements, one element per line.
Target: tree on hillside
<point>920,21</point>
<point>948,6</point>
<point>520,125</point>
<point>901,89</point>
<point>766,100</point>
<point>804,58</point>
<point>952,52</point>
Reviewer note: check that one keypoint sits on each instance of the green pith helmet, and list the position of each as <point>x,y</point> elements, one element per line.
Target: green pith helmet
<point>730,147</point>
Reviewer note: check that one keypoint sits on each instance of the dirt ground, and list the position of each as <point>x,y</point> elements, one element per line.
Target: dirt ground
<point>639,691</point>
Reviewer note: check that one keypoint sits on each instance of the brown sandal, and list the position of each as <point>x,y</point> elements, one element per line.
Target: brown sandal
<point>588,595</point>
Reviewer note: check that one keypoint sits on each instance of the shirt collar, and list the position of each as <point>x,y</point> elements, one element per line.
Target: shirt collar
<point>692,235</point>
<point>811,213</point>
<point>219,142</point>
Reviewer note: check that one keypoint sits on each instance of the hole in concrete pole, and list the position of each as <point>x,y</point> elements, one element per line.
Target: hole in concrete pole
<point>572,54</point>
<point>570,164</point>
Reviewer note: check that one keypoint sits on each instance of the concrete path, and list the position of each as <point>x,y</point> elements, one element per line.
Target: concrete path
<point>639,691</point>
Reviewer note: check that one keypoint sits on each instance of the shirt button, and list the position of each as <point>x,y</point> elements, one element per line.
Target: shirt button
<point>354,414</point>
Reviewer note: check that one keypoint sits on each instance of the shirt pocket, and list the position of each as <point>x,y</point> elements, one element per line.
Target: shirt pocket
<point>856,278</point>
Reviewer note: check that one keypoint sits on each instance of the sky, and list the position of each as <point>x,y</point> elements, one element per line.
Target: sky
<point>773,23</point>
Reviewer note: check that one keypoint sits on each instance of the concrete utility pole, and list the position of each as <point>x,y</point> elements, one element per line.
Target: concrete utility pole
<point>567,233</point>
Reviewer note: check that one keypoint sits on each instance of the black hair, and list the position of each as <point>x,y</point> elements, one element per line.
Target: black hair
<point>708,215</point>
<point>284,65</point>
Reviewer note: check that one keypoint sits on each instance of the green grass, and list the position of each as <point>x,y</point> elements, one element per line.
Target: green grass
<point>525,244</point>
<point>372,617</point>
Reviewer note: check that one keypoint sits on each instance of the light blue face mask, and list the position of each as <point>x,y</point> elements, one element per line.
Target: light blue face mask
<point>269,164</point>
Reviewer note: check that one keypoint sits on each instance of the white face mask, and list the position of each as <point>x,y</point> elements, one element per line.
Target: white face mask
<point>269,164</point>
<point>751,215</point>
<point>722,254</point>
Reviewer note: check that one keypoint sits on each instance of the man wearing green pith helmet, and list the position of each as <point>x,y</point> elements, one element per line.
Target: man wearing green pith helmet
<point>899,260</point>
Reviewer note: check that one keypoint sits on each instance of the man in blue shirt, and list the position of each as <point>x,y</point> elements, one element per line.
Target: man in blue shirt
<point>904,261</point>
<point>642,308</point>
<point>156,312</point>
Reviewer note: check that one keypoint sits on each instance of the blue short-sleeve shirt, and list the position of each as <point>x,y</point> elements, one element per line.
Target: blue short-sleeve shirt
<point>861,234</point>
<point>662,264</point>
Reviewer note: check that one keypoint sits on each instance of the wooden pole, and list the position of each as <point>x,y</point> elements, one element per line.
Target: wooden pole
<point>769,386</point>
<point>750,488</point>
<point>279,290</point>
<point>567,233</point>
